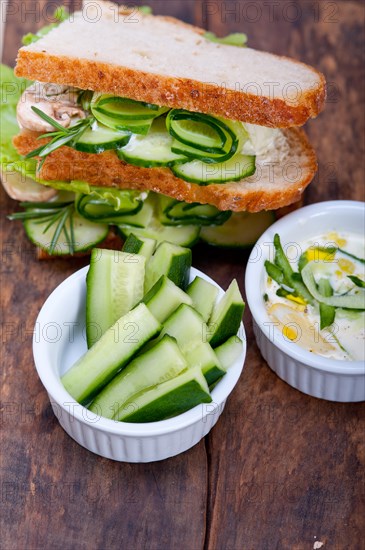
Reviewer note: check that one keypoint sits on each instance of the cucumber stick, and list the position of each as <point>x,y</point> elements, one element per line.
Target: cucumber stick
<point>186,325</point>
<point>190,331</point>
<point>202,355</point>
<point>164,298</point>
<point>115,283</point>
<point>160,363</point>
<point>110,354</point>
<point>203,295</point>
<point>167,399</point>
<point>143,246</point>
<point>171,260</point>
<point>229,351</point>
<point>226,316</point>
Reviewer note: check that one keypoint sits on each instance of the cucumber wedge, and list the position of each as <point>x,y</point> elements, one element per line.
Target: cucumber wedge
<point>229,351</point>
<point>143,247</point>
<point>171,260</point>
<point>160,363</point>
<point>168,399</point>
<point>114,283</point>
<point>236,168</point>
<point>203,295</point>
<point>190,332</point>
<point>202,355</point>
<point>101,139</point>
<point>186,325</point>
<point>110,354</point>
<point>242,230</point>
<point>164,298</point>
<point>142,219</point>
<point>226,316</point>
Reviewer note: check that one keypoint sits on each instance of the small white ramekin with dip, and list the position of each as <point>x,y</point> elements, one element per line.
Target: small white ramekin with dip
<point>308,308</point>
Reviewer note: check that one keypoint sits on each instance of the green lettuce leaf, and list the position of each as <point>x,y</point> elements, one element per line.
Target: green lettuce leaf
<point>147,10</point>
<point>61,14</point>
<point>235,39</point>
<point>11,88</point>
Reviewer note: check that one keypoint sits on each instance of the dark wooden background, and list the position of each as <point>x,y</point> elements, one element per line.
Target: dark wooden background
<point>281,470</point>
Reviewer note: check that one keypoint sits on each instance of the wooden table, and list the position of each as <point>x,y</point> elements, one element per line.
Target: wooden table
<point>281,470</point>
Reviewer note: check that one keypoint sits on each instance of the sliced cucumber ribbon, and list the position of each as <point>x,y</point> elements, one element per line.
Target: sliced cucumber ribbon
<point>99,206</point>
<point>174,212</point>
<point>208,148</point>
<point>121,113</point>
<point>201,136</point>
<point>237,168</point>
<point>100,138</point>
<point>152,150</point>
<point>346,301</point>
<point>123,107</point>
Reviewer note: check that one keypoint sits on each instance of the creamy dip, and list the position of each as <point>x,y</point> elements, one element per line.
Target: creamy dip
<point>299,322</point>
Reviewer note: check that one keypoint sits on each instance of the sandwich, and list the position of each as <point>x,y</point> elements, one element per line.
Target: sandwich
<point>146,118</point>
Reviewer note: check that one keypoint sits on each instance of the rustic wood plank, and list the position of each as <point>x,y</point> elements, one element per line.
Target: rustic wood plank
<point>285,470</point>
<point>55,494</point>
<point>48,480</point>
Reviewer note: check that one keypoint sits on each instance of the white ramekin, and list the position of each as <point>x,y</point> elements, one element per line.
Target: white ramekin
<point>59,339</point>
<point>312,374</point>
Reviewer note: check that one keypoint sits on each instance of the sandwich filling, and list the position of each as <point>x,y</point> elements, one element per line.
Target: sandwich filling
<point>196,147</point>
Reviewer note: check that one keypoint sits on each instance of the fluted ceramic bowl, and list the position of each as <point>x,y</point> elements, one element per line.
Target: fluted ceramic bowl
<point>310,373</point>
<point>60,340</point>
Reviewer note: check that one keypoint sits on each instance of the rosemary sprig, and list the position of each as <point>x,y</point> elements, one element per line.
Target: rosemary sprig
<point>58,214</point>
<point>62,136</point>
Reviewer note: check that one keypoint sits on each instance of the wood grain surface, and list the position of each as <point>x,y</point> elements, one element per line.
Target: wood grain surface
<point>280,470</point>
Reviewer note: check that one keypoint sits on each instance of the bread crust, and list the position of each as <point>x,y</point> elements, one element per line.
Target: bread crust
<point>253,194</point>
<point>172,92</point>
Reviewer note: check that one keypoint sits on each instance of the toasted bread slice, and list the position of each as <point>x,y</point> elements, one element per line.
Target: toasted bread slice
<point>280,179</point>
<point>164,61</point>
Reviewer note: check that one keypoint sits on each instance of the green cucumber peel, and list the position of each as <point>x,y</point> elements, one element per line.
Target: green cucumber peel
<point>108,208</point>
<point>281,260</point>
<point>347,301</point>
<point>275,272</point>
<point>357,281</point>
<point>175,212</point>
<point>291,279</point>
<point>327,313</point>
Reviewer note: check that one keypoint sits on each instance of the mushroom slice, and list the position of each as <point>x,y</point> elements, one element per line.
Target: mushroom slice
<point>23,188</point>
<point>63,108</point>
